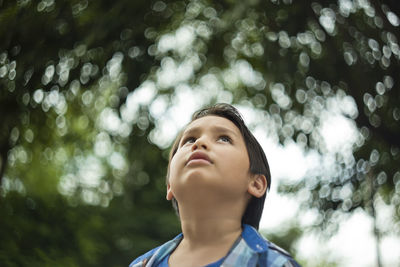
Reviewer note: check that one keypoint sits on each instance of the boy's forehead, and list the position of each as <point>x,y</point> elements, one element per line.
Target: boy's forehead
<point>212,121</point>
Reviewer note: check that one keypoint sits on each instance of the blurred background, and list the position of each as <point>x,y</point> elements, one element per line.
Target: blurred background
<point>92,93</point>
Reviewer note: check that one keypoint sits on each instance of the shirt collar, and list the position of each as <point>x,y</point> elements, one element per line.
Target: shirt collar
<point>253,239</point>
<point>164,250</point>
<point>249,235</point>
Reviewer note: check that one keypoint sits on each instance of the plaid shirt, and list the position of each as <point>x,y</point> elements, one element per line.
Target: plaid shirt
<point>251,249</point>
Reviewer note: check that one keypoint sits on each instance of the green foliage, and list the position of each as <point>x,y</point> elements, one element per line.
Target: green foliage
<point>74,192</point>
<point>52,232</point>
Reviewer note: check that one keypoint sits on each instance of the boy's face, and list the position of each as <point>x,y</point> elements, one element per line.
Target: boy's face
<point>211,163</point>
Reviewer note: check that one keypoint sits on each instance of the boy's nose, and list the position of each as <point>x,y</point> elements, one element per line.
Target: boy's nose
<point>199,143</point>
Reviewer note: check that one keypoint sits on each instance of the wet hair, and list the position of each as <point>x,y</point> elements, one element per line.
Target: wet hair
<point>257,158</point>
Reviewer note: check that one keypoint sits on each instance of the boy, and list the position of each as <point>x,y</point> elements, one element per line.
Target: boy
<point>217,180</point>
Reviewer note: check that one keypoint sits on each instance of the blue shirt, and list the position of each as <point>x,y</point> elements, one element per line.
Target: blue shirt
<point>250,250</point>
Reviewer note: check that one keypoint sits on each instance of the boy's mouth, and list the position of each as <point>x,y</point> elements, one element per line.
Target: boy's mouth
<point>199,156</point>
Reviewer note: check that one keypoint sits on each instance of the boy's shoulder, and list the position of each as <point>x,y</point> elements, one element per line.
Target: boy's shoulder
<point>277,256</point>
<point>270,254</point>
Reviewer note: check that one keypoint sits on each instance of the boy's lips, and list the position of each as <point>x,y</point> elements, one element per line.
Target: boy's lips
<point>198,155</point>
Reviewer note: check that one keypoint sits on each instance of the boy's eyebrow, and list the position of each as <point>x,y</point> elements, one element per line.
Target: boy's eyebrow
<point>216,128</point>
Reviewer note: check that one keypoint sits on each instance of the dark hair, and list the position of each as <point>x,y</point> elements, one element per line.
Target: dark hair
<point>257,158</point>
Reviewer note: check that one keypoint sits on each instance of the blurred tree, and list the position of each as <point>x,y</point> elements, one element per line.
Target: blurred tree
<point>75,188</point>
<point>78,51</point>
<point>74,125</point>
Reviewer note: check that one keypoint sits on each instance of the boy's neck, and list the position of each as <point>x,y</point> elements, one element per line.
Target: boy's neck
<point>204,225</point>
<point>204,242</point>
<point>210,232</point>
<point>210,228</point>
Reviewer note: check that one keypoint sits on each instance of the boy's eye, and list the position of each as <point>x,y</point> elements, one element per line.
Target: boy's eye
<point>225,138</point>
<point>188,140</point>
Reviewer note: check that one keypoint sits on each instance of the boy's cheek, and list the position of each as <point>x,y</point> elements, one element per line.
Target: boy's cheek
<point>178,161</point>
<point>172,165</point>
<point>174,168</point>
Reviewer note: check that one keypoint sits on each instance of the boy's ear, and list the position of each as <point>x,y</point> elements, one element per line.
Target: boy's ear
<point>170,195</point>
<point>258,185</point>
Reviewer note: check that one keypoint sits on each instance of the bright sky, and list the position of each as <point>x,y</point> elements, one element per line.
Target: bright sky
<point>354,245</point>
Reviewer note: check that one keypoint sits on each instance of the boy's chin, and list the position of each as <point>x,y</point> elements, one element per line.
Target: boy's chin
<point>202,186</point>
<point>195,175</point>
<point>204,191</point>
<point>196,180</point>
